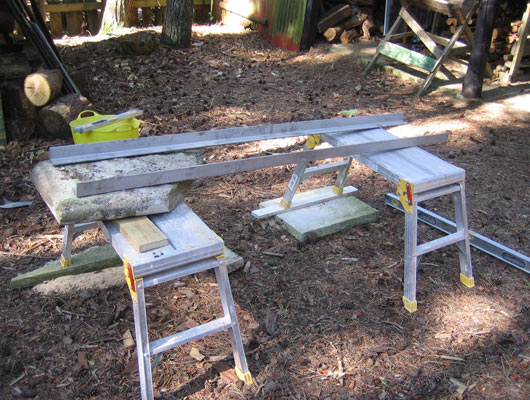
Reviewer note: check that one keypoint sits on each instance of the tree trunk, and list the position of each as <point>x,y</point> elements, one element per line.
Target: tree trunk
<point>472,87</point>
<point>177,23</point>
<point>114,15</point>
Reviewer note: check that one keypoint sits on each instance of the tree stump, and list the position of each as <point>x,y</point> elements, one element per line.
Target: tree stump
<point>43,87</point>
<point>55,118</point>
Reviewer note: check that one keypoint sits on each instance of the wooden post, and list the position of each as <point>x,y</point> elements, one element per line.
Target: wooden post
<point>92,18</point>
<point>147,16</point>
<point>74,19</point>
<point>472,87</point>
<point>56,21</point>
<point>159,15</point>
<point>131,16</point>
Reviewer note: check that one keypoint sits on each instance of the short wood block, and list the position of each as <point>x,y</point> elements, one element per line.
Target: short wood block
<point>141,233</point>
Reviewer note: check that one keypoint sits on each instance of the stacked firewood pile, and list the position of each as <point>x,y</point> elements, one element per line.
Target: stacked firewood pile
<point>346,20</point>
<point>506,34</point>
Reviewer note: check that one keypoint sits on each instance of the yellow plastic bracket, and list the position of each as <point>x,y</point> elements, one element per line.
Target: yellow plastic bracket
<point>405,192</point>
<point>128,270</point>
<point>410,306</point>
<point>338,191</point>
<point>312,141</point>
<point>247,378</point>
<point>467,281</point>
<point>285,204</point>
<point>65,262</point>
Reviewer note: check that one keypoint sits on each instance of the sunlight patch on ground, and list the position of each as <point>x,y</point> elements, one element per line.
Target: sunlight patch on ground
<point>427,127</point>
<point>218,29</point>
<point>470,314</point>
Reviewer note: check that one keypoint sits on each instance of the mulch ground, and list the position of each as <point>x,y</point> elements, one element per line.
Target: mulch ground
<point>320,320</point>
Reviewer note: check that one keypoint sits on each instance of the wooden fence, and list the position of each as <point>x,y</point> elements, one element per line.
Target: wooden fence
<point>76,16</point>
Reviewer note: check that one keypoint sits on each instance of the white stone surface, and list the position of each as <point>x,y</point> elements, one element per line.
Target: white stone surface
<point>57,187</point>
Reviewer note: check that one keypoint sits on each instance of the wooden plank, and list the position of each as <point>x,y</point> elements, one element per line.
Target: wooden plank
<point>3,138</point>
<point>520,46</point>
<point>406,56</point>
<point>74,19</point>
<point>441,6</point>
<point>68,7</point>
<point>141,233</point>
<point>418,30</point>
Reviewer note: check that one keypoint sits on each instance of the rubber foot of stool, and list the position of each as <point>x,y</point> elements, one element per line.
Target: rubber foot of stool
<point>410,306</point>
<point>469,282</point>
<point>65,262</point>
<point>247,378</point>
<point>337,191</point>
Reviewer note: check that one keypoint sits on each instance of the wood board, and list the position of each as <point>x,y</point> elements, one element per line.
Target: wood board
<point>141,233</point>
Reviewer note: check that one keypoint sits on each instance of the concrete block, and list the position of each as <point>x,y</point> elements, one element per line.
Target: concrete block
<point>56,186</point>
<point>93,259</point>
<point>327,218</point>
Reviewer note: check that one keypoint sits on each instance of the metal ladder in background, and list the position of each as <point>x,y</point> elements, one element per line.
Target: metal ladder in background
<point>192,248</point>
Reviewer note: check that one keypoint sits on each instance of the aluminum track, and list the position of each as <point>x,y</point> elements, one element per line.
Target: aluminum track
<point>72,154</point>
<point>118,183</point>
<point>482,243</point>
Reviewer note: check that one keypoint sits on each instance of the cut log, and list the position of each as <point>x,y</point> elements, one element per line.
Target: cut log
<point>43,87</point>
<point>354,21</point>
<point>19,113</point>
<point>333,33</point>
<point>334,16</point>
<point>367,26</point>
<point>55,118</point>
<point>349,36</point>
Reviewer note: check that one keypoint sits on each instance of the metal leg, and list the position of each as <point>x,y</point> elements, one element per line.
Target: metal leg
<point>411,259</point>
<point>142,342</point>
<point>464,251</point>
<point>341,177</point>
<point>295,181</point>
<point>68,237</point>
<point>234,332</point>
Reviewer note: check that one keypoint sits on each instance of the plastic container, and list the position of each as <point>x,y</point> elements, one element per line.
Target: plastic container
<point>126,129</point>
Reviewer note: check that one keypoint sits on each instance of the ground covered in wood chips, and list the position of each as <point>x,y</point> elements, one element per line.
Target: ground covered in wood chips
<point>320,320</point>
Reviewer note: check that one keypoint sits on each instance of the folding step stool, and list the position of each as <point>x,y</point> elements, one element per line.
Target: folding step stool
<point>440,48</point>
<point>419,176</point>
<point>289,202</point>
<point>192,248</point>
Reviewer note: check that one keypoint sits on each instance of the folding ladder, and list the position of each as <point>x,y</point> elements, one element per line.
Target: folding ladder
<point>192,248</point>
<point>441,48</point>
<point>419,176</point>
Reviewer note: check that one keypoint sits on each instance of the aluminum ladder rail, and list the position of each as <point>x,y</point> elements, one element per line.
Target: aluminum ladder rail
<point>192,248</point>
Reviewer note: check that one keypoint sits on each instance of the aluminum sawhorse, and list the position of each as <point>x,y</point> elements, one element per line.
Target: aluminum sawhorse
<point>192,248</point>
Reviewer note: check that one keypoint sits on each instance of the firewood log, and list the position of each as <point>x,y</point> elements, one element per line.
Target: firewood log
<point>43,86</point>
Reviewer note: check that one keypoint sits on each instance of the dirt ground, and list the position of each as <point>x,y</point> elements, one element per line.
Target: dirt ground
<point>320,320</point>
